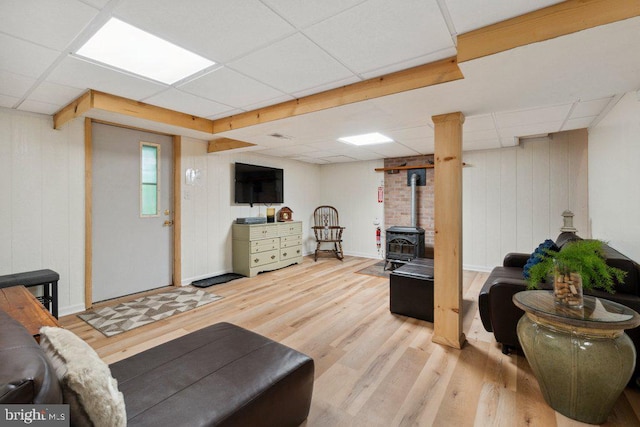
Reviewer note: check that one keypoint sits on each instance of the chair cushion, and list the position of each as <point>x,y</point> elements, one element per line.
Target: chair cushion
<point>87,385</point>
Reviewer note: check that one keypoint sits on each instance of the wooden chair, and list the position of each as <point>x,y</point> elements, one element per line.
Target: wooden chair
<point>327,229</point>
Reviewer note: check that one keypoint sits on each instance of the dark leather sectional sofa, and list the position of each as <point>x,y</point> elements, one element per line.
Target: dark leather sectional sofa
<point>500,316</point>
<point>221,375</point>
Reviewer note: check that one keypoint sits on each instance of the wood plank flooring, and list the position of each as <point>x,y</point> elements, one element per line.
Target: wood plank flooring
<point>373,368</point>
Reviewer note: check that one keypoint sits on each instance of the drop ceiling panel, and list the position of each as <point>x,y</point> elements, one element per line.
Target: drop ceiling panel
<point>22,57</point>
<point>231,88</point>
<point>8,101</point>
<point>378,33</point>
<point>53,24</point>
<point>39,107</point>
<point>323,87</point>
<point>422,146</point>
<point>14,85</point>
<point>579,123</point>
<point>187,103</point>
<point>532,116</point>
<point>410,133</point>
<point>413,62</point>
<point>217,29</point>
<point>54,93</point>
<point>479,135</point>
<point>392,150</point>
<point>304,13</point>
<point>77,73</point>
<point>478,123</point>
<point>530,129</point>
<point>470,15</point>
<point>589,108</point>
<point>291,65</point>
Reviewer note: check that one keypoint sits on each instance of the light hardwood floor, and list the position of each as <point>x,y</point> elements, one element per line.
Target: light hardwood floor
<point>373,368</point>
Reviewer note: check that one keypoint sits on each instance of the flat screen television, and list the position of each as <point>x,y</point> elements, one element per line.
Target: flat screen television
<point>258,184</point>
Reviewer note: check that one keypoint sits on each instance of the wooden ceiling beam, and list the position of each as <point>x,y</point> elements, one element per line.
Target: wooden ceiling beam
<point>223,144</point>
<point>550,22</point>
<point>442,71</point>
<point>94,99</point>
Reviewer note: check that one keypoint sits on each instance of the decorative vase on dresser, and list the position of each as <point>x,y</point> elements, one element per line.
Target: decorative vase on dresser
<point>266,247</point>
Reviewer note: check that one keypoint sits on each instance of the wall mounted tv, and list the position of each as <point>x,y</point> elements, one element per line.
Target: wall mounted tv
<point>258,184</point>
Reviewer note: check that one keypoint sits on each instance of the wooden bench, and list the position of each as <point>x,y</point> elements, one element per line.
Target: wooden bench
<point>48,279</point>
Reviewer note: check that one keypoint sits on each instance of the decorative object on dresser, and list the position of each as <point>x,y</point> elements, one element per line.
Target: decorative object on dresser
<point>327,229</point>
<point>285,214</point>
<point>266,247</point>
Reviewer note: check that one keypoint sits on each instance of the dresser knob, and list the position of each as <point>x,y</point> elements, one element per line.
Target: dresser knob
<point>284,254</point>
<point>256,260</point>
<point>273,257</point>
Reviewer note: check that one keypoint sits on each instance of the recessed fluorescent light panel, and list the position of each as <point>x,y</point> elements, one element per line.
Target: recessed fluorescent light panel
<point>366,139</point>
<point>124,46</point>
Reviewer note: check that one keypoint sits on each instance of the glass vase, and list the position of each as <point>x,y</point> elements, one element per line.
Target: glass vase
<point>567,286</point>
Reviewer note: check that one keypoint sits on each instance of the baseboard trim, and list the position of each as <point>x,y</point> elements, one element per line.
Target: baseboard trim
<point>72,309</point>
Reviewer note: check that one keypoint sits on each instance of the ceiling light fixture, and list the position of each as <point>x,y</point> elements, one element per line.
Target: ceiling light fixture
<point>126,47</point>
<point>366,139</point>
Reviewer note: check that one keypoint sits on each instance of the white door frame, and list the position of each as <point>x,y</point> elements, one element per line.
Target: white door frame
<point>88,208</point>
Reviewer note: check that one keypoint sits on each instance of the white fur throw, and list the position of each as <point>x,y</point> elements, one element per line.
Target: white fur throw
<point>88,387</point>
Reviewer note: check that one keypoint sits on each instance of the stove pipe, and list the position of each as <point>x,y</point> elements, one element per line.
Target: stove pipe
<point>414,215</point>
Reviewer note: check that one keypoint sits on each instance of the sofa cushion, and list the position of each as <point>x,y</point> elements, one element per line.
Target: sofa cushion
<point>624,263</point>
<point>538,255</point>
<point>26,376</point>
<point>87,384</point>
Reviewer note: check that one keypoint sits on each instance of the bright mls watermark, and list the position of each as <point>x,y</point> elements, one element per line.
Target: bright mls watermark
<point>34,415</point>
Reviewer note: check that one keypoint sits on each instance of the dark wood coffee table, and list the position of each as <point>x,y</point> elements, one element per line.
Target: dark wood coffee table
<point>23,306</point>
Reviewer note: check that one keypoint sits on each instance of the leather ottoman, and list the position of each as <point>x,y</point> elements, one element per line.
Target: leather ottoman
<point>222,375</point>
<point>411,290</point>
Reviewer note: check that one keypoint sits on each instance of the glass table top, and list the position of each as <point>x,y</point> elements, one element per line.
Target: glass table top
<point>596,313</point>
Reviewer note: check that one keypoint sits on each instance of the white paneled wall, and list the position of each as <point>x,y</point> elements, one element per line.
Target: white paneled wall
<point>614,176</point>
<point>352,188</point>
<point>42,201</point>
<point>513,198</point>
<point>208,209</point>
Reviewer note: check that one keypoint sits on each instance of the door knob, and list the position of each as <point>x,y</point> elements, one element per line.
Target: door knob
<point>167,223</point>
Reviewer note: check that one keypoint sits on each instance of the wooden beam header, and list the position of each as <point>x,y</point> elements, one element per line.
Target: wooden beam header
<point>544,24</point>
<point>223,144</point>
<point>442,71</point>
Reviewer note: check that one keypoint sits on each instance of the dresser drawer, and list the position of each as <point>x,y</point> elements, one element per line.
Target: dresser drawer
<point>263,258</point>
<point>264,245</point>
<point>288,228</point>
<point>263,232</point>
<point>292,252</point>
<point>288,241</point>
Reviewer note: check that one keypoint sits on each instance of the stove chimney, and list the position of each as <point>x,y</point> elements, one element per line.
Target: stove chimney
<point>414,207</point>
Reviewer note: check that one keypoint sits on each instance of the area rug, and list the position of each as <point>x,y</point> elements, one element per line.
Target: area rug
<point>216,280</point>
<point>376,269</point>
<point>142,311</point>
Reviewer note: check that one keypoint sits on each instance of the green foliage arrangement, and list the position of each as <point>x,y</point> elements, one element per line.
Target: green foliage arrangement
<point>584,256</point>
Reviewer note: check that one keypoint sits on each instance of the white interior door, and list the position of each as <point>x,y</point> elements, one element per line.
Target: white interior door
<point>132,239</point>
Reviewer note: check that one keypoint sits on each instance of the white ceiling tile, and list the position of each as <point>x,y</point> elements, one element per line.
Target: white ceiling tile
<point>225,114</point>
<point>77,73</point>
<point>421,146</point>
<point>311,160</point>
<point>509,141</point>
<point>21,57</point>
<point>14,85</point>
<point>413,62</point>
<point>530,129</point>
<point>362,154</point>
<point>55,94</point>
<point>231,88</point>
<point>484,144</point>
<point>340,159</point>
<point>479,135</point>
<point>319,154</point>
<point>590,108</point>
<point>392,150</point>
<point>304,13</point>
<point>291,65</point>
<point>532,116</point>
<point>39,107</point>
<point>378,33</point>
<point>217,29</point>
<point>97,3</point>
<point>53,24</point>
<point>8,101</point>
<point>327,86</point>
<point>186,103</point>
<point>268,102</point>
<point>579,123</point>
<point>476,123</point>
<point>470,15</point>
<point>410,133</point>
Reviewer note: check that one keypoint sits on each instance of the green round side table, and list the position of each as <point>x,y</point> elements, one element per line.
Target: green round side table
<point>581,357</point>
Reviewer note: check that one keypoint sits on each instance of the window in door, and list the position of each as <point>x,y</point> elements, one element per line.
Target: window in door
<point>149,184</point>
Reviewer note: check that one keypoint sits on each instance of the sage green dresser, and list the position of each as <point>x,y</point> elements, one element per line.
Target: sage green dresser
<point>266,247</point>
